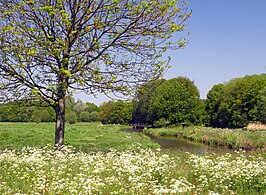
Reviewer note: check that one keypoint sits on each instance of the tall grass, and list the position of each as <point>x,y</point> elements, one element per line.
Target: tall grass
<point>256,127</point>
<point>217,137</point>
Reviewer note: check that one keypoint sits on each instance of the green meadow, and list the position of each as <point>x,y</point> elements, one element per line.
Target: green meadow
<point>101,159</point>
<point>87,137</point>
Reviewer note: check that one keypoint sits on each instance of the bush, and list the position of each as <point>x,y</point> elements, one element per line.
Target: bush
<point>161,123</point>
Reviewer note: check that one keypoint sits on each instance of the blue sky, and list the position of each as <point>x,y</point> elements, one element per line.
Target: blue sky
<point>227,40</point>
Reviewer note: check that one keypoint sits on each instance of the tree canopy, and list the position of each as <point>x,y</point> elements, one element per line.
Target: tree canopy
<point>176,101</point>
<point>48,48</point>
<point>212,104</point>
<point>119,112</point>
<point>238,102</point>
<point>141,101</point>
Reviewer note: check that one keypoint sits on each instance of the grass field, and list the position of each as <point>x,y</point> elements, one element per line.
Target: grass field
<point>30,166</point>
<point>83,136</point>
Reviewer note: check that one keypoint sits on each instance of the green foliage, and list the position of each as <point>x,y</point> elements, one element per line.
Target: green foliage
<point>261,109</point>
<point>43,115</point>
<point>70,102</point>
<point>89,116</point>
<point>85,112</point>
<point>84,116</point>
<point>71,116</point>
<point>79,107</point>
<point>177,100</point>
<point>238,102</point>
<point>105,110</point>
<point>162,122</point>
<point>141,102</point>
<point>119,112</point>
<point>19,111</point>
<point>212,104</point>
<point>91,107</point>
<point>15,112</point>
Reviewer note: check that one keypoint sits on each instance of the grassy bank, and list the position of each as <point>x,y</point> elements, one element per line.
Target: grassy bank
<point>83,136</point>
<point>216,137</point>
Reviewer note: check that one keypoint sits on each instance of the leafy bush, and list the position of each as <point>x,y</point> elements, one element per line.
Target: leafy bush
<point>161,123</point>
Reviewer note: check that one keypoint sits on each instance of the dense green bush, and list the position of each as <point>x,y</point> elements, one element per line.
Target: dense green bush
<point>43,115</point>
<point>212,104</point>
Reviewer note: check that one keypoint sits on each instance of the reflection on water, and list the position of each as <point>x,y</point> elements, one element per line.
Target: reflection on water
<point>181,144</point>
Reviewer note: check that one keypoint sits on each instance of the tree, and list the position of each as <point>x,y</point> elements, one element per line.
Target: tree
<point>89,116</point>
<point>70,102</point>
<point>41,115</point>
<point>212,104</point>
<point>15,112</point>
<point>241,101</point>
<point>79,107</point>
<point>119,112</point>
<point>91,107</point>
<point>176,101</point>
<point>262,106</point>
<point>105,110</point>
<point>71,117</point>
<point>141,102</point>
<point>49,48</point>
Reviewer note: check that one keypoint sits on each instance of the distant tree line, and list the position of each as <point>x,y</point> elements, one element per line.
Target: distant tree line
<point>177,101</point>
<point>19,111</point>
<point>76,111</point>
<point>162,103</point>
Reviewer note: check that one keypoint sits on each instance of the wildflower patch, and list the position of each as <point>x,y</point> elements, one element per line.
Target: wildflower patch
<point>48,171</point>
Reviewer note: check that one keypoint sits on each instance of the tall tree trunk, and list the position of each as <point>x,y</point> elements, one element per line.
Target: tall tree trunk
<point>60,119</point>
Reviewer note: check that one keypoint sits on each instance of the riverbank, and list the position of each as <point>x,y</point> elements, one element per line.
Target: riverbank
<point>236,139</point>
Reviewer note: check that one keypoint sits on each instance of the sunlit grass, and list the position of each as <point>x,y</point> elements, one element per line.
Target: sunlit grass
<point>83,136</point>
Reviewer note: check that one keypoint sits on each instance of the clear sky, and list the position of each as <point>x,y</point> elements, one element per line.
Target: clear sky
<point>227,40</point>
